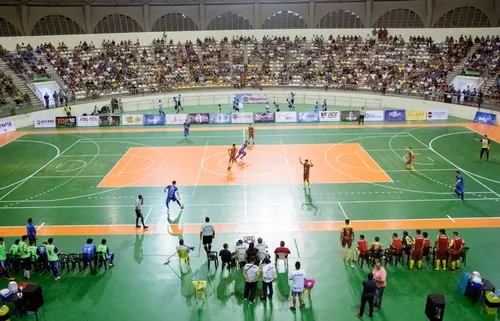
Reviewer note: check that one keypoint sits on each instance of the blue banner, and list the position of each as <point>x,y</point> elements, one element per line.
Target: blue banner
<point>395,115</point>
<point>265,117</point>
<point>200,118</point>
<point>485,118</point>
<point>308,117</point>
<point>154,120</point>
<point>222,118</point>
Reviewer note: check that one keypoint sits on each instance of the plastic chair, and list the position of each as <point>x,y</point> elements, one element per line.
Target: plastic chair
<point>75,259</point>
<point>363,256</point>
<point>282,257</point>
<point>184,255</point>
<point>200,287</point>
<point>64,262</point>
<point>463,254</point>
<point>102,259</point>
<point>212,256</point>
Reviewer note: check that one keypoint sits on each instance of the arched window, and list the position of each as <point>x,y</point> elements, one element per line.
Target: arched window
<point>56,25</point>
<point>285,20</point>
<point>463,17</point>
<point>229,21</point>
<point>117,23</point>
<point>175,22</point>
<point>7,29</point>
<point>399,18</point>
<point>340,19</point>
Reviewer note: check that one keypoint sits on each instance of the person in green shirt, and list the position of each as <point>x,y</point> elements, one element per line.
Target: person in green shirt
<point>25,256</point>
<point>103,250</point>
<point>32,250</point>
<point>52,255</point>
<point>3,261</point>
<point>14,248</point>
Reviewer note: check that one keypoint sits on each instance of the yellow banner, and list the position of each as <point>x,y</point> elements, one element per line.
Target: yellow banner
<point>415,115</point>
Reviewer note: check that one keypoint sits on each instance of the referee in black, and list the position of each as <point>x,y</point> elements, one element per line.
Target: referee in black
<point>361,119</point>
<point>207,234</point>
<point>485,147</point>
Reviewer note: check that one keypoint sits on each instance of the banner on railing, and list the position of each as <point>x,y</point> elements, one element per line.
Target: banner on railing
<point>255,99</point>
<point>415,114</point>
<point>7,126</point>
<point>307,117</point>
<point>349,115</point>
<point>154,120</point>
<point>87,121</point>
<point>329,116</point>
<point>286,117</point>
<point>175,119</point>
<point>133,120</point>
<point>44,123</point>
<point>66,121</point>
<point>199,118</point>
<point>485,118</point>
<point>265,117</point>
<point>374,115</point>
<point>437,114</point>
<point>242,118</point>
<point>109,120</point>
<point>220,118</point>
<point>395,115</point>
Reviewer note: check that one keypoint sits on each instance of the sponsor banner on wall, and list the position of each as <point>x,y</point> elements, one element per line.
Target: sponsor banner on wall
<point>255,99</point>
<point>416,114</point>
<point>242,118</point>
<point>87,121</point>
<point>133,120</point>
<point>265,117</point>
<point>199,118</point>
<point>175,119</point>
<point>437,114</point>
<point>286,117</point>
<point>66,121</point>
<point>109,120</point>
<point>220,118</point>
<point>154,120</point>
<point>349,115</point>
<point>44,123</point>
<point>395,115</point>
<point>7,126</point>
<point>329,116</point>
<point>374,115</point>
<point>307,117</point>
<point>485,118</point>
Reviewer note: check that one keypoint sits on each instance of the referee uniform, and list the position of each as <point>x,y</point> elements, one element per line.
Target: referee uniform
<point>485,147</point>
<point>138,212</point>
<point>207,234</point>
<point>362,113</point>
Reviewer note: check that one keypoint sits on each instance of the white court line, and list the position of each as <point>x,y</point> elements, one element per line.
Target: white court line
<point>149,212</point>
<point>58,166</point>
<point>72,169</point>
<point>343,212</point>
<point>245,183</point>
<point>108,155</point>
<point>388,150</point>
<point>121,170</point>
<point>360,157</point>
<point>38,228</point>
<point>201,166</point>
<point>287,161</point>
<point>430,159</point>
<point>482,134</point>
<point>420,170</point>
<point>451,218</point>
<point>66,176</point>
<point>64,151</point>
<point>118,162</point>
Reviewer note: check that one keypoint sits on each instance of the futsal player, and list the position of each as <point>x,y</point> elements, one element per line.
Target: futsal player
<point>176,106</point>
<point>456,246</point>
<point>346,238</point>
<point>417,250</point>
<point>267,107</point>
<point>324,107</point>
<point>307,167</point>
<point>411,159</point>
<point>173,195</point>
<point>442,243</point>
<point>292,98</point>
<point>179,103</point>
<point>277,107</point>
<point>485,147</point>
<point>235,105</point>
<point>160,108</point>
<point>459,186</point>
<point>219,109</point>
<point>316,106</point>
<point>251,134</point>
<point>242,152</point>
<point>290,105</point>
<point>138,213</point>
<point>186,125</point>
<point>232,156</point>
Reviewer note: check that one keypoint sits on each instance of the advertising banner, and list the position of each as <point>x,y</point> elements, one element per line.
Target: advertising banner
<point>7,126</point>
<point>154,120</point>
<point>175,119</point>
<point>65,122</point>
<point>240,96</point>
<point>254,99</point>
<point>242,118</point>
<point>395,115</point>
<point>437,114</point>
<point>199,118</point>
<point>132,120</point>
<point>265,117</point>
<point>87,121</point>
<point>485,118</point>
<point>44,123</point>
<point>329,116</point>
<point>307,117</point>
<point>349,115</point>
<point>416,115</point>
<point>286,117</point>
<point>374,115</point>
<point>109,120</point>
<point>220,118</point>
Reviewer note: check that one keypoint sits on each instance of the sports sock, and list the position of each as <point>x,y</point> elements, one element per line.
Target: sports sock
<point>412,263</point>
<point>343,253</point>
<point>349,252</point>
<point>444,264</point>
<point>438,264</point>
<point>453,265</point>
<point>419,264</point>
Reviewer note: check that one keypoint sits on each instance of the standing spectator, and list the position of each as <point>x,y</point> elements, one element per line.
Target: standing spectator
<point>297,277</point>
<point>95,112</point>
<point>46,98</point>
<point>268,276</point>
<point>4,269</point>
<point>282,249</point>
<point>380,276</point>
<point>56,98</point>
<point>251,273</point>
<point>61,97</point>
<point>31,231</point>
<point>368,295</point>
<point>67,110</point>
<point>252,253</point>
<point>160,108</point>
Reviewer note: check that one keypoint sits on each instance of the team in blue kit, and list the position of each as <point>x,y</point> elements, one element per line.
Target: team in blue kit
<point>173,195</point>
<point>459,186</point>
<point>242,152</point>
<point>186,125</point>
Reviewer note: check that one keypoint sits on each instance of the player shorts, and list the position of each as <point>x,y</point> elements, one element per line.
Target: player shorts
<point>306,177</point>
<point>138,213</point>
<point>232,159</point>
<point>409,162</point>
<point>26,263</point>
<point>170,199</point>
<point>459,190</point>
<point>296,293</point>
<point>347,241</point>
<point>251,136</point>
<point>441,255</point>
<point>207,239</point>
<point>455,255</point>
<point>416,256</point>
<point>361,117</point>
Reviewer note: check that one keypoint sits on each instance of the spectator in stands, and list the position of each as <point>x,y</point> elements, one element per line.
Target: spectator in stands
<point>46,99</point>
<point>55,95</point>
<point>95,112</point>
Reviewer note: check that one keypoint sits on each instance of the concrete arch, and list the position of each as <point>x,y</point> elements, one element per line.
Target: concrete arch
<point>118,23</point>
<point>340,19</point>
<point>285,19</point>
<point>38,13</point>
<point>463,17</point>
<point>8,29</point>
<point>443,7</point>
<point>56,24</point>
<point>229,21</point>
<point>174,22</point>
<point>399,18</point>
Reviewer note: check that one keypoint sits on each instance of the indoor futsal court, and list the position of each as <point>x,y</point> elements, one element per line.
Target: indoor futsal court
<point>83,183</point>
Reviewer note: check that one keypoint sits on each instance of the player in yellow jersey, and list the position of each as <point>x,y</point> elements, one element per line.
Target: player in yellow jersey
<point>485,147</point>
<point>411,159</point>
<point>232,156</point>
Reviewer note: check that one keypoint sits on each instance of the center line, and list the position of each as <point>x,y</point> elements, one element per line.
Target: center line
<point>343,212</point>
<point>201,166</point>
<point>149,212</point>
<point>244,181</point>
<point>451,218</point>
<point>287,161</point>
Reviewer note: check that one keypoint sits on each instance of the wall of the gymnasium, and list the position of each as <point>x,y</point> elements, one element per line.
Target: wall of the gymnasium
<point>134,104</point>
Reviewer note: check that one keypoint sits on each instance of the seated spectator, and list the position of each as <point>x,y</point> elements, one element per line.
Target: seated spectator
<point>262,249</point>
<point>103,250</point>
<point>226,256</point>
<point>240,252</point>
<point>252,253</point>
<point>282,249</point>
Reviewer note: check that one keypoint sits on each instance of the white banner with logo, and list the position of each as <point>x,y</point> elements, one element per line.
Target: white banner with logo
<point>175,119</point>
<point>286,117</point>
<point>7,126</point>
<point>374,115</point>
<point>329,116</point>
<point>44,123</point>
<point>255,100</point>
<point>132,120</point>
<point>242,118</point>
<point>437,114</point>
<point>87,121</point>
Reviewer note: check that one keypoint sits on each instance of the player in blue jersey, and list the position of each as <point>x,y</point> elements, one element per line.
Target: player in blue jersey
<point>324,107</point>
<point>290,105</point>
<point>242,152</point>
<point>186,128</point>
<point>459,186</point>
<point>277,107</point>
<point>316,106</point>
<point>173,195</point>
<point>292,98</point>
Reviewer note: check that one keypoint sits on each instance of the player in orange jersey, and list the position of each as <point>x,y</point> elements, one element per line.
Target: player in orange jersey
<point>417,250</point>
<point>346,238</point>
<point>232,156</point>
<point>307,166</point>
<point>251,134</point>
<point>442,243</point>
<point>456,246</point>
<point>411,159</point>
<point>362,248</point>
<point>376,249</point>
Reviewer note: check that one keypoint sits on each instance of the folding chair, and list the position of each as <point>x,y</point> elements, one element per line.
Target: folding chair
<point>102,259</point>
<point>282,257</point>
<point>375,255</point>
<point>363,256</point>
<point>212,256</point>
<point>75,259</point>
<point>463,254</point>
<point>64,261</point>
<point>184,255</point>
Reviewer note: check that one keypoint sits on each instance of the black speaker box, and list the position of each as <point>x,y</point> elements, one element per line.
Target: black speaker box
<point>434,309</point>
<point>33,297</point>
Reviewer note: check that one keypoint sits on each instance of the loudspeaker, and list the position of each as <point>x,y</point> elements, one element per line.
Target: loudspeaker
<point>434,309</point>
<point>33,297</point>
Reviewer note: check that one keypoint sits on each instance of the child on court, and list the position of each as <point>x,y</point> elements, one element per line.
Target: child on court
<point>186,125</point>
<point>173,195</point>
<point>242,152</point>
<point>309,285</point>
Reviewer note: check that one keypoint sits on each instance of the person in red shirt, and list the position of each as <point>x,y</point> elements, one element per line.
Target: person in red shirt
<point>346,238</point>
<point>362,248</point>
<point>456,245</point>
<point>282,249</point>
<point>442,243</point>
<point>417,250</point>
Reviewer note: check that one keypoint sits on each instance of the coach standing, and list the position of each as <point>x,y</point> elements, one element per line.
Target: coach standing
<point>361,119</point>
<point>369,290</point>
<point>138,213</point>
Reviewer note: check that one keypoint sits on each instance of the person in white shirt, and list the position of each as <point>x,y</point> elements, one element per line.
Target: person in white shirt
<point>138,214</point>
<point>207,234</point>
<point>297,277</point>
<point>262,248</point>
<point>251,273</point>
<point>160,108</point>
<point>241,251</point>
<point>268,276</point>
<point>240,105</point>
<point>267,107</point>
